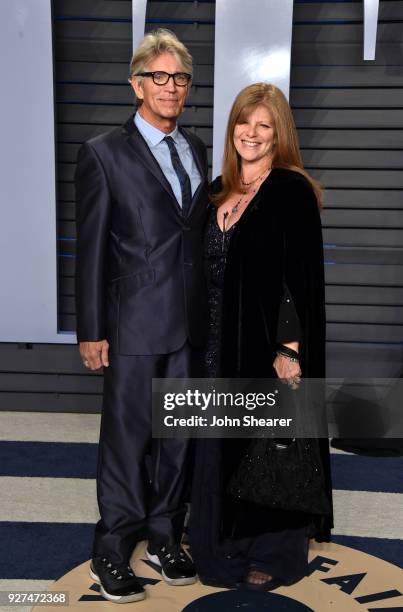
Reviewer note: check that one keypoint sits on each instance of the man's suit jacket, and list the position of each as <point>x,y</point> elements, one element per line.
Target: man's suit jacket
<point>139,271</point>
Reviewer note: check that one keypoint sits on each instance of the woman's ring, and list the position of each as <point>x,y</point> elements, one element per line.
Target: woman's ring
<point>294,382</point>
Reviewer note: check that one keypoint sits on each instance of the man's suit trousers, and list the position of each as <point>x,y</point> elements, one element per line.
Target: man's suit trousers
<point>141,481</point>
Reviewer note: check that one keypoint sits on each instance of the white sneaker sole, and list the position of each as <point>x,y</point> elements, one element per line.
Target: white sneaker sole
<point>171,581</point>
<point>93,575</point>
<point>116,598</point>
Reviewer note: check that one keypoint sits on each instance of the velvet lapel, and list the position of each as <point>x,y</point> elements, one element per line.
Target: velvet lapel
<point>140,148</point>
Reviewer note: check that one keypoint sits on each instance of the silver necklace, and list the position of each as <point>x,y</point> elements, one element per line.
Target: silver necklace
<point>235,208</point>
<point>254,180</point>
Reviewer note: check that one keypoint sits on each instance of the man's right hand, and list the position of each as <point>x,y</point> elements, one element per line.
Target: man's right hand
<point>95,354</point>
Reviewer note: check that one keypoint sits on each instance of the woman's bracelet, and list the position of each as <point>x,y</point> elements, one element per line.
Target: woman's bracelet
<point>286,351</point>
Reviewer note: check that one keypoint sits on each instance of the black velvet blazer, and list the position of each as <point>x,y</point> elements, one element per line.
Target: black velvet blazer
<point>276,243</point>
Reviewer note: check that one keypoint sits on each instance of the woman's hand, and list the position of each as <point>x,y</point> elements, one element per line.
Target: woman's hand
<point>287,370</point>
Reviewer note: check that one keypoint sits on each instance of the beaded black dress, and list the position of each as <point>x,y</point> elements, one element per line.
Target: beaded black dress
<point>282,551</point>
<point>215,253</point>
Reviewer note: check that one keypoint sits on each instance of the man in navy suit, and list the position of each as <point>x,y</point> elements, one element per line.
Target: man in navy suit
<point>141,309</point>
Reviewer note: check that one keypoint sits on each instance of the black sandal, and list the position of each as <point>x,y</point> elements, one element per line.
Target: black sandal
<point>268,585</point>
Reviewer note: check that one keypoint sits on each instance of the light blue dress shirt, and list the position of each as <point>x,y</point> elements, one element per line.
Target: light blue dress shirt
<point>155,140</point>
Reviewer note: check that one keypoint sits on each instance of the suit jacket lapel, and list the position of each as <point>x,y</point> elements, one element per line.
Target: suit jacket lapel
<point>142,151</point>
<point>198,155</point>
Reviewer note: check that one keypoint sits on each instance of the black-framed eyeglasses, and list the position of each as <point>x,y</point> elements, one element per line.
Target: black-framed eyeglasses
<point>161,78</point>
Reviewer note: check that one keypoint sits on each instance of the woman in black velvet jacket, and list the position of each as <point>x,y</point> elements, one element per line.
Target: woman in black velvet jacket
<point>264,259</point>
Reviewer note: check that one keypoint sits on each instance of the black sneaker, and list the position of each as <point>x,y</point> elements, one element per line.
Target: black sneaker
<point>118,582</point>
<point>177,567</point>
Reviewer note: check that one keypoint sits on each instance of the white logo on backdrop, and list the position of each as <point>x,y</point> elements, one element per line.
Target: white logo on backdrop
<point>247,50</point>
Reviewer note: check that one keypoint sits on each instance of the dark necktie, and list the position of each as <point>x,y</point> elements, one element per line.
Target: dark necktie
<point>182,175</point>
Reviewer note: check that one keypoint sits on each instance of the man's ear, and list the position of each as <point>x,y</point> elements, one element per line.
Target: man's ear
<point>188,88</point>
<point>137,85</point>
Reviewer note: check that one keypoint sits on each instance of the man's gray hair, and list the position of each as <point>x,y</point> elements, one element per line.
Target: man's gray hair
<point>153,44</point>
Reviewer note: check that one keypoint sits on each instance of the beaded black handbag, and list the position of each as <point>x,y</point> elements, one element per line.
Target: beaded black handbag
<point>287,477</point>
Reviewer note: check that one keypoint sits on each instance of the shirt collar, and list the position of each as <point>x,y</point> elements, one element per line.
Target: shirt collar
<point>152,134</point>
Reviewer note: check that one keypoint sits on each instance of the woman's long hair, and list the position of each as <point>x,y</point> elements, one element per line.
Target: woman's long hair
<point>286,153</point>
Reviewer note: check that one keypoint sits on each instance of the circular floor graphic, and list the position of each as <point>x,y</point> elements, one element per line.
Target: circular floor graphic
<point>342,579</point>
